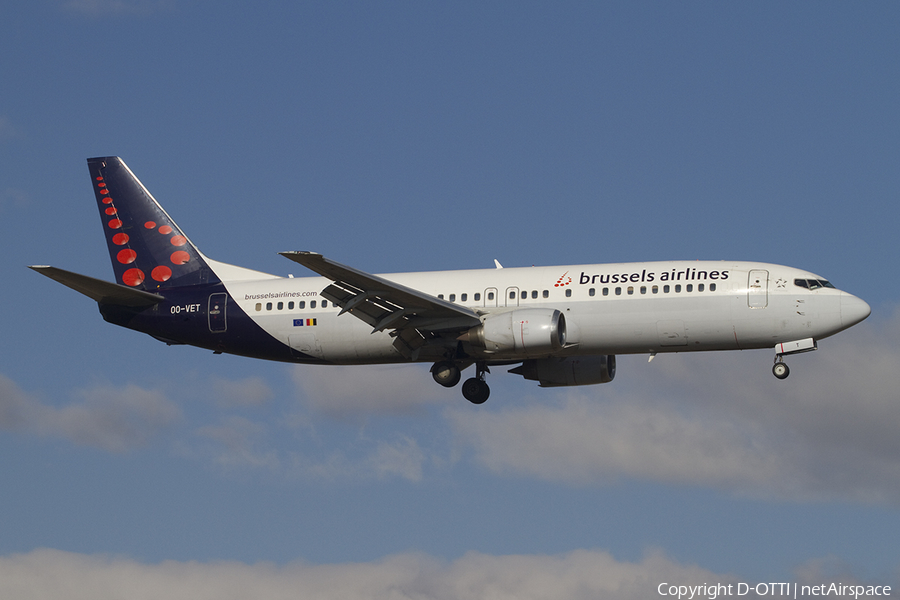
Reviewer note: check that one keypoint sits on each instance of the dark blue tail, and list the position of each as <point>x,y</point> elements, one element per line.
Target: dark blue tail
<point>148,250</point>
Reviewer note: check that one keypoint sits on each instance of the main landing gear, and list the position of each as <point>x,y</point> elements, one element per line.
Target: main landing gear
<point>475,389</point>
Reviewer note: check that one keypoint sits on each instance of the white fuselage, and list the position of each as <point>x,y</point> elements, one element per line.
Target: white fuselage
<point>628,308</point>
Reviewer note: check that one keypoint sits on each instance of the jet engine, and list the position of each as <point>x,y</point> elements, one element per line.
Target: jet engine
<point>572,370</point>
<point>524,332</point>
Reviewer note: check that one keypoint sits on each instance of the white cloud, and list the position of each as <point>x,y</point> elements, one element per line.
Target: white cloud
<point>582,574</point>
<point>403,459</point>
<point>110,418</point>
<point>237,442</point>
<point>719,420</point>
<point>243,393</point>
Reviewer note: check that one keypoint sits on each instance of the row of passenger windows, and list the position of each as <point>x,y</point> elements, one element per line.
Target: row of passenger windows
<point>490,295</point>
<point>630,291</point>
<point>677,288</point>
<point>290,305</point>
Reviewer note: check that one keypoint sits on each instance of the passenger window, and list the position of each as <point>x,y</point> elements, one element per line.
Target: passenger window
<point>301,304</point>
<point>700,287</point>
<point>546,293</point>
<point>259,306</point>
<point>606,291</point>
<point>324,303</point>
<point>678,288</point>
<point>312,303</point>
<point>478,297</point>
<point>281,306</point>
<point>534,293</point>
<point>441,296</point>
<point>591,292</point>
<point>568,293</point>
<point>463,297</point>
<point>643,289</point>
<point>490,295</point>
<point>630,290</point>
<point>690,287</point>
<point>655,289</point>
<point>618,291</point>
<point>291,305</point>
<point>666,289</point>
<point>524,295</point>
<point>268,306</point>
<point>712,287</point>
<point>512,295</point>
<point>452,297</point>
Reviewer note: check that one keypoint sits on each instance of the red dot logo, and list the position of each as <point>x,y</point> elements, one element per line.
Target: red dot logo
<point>107,200</point>
<point>180,257</point>
<point>133,277</point>
<point>149,224</point>
<point>115,224</point>
<point>126,257</point>
<point>104,191</point>
<point>161,273</point>
<point>110,210</point>
<point>120,239</point>
<point>178,240</point>
<point>165,230</point>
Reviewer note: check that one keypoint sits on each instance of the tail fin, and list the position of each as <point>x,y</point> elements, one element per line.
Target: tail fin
<point>148,250</point>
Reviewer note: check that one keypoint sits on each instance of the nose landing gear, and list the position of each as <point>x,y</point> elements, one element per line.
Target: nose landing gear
<point>780,370</point>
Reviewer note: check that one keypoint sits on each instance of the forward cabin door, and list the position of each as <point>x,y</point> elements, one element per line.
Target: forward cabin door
<point>758,289</point>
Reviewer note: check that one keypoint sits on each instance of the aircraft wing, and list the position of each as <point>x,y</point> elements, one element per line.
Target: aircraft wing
<point>384,304</point>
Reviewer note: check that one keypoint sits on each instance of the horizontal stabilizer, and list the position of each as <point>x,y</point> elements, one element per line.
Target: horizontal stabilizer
<point>103,292</point>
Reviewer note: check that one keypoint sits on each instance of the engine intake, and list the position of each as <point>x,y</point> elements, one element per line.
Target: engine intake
<point>525,332</point>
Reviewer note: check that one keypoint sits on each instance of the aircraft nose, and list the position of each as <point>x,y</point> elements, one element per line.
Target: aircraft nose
<point>853,309</point>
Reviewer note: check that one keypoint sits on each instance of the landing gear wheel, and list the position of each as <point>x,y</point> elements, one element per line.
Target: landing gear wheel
<point>781,370</point>
<point>476,390</point>
<point>445,373</point>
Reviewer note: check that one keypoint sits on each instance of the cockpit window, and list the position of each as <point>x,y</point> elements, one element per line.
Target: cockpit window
<point>813,284</point>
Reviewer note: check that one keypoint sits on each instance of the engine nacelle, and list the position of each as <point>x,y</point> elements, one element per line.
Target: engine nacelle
<point>524,332</point>
<point>572,370</point>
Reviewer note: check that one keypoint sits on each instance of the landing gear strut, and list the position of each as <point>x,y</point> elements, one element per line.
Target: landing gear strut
<point>476,390</point>
<point>780,370</point>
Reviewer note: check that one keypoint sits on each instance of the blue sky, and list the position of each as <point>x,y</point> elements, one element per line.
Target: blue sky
<point>421,136</point>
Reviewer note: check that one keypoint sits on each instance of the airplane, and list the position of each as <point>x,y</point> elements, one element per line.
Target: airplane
<point>557,325</point>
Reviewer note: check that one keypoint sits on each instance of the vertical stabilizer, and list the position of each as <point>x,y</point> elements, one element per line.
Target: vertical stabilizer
<point>148,250</point>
